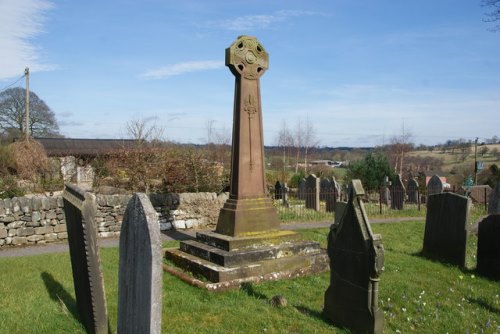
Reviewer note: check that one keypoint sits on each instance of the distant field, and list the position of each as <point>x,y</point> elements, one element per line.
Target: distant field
<point>451,160</point>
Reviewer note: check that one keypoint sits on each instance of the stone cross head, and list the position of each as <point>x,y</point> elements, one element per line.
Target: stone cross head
<point>246,57</point>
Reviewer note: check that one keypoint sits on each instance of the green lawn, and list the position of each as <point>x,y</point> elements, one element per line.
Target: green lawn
<point>416,294</point>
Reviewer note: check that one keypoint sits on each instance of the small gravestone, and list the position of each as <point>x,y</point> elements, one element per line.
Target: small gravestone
<point>312,198</point>
<point>302,191</point>
<point>488,243</point>
<point>398,194</point>
<point>412,191</point>
<point>356,262</point>
<point>80,210</point>
<point>445,235</point>
<point>435,185</point>
<point>494,201</point>
<point>278,190</point>
<point>324,188</point>
<point>488,247</point>
<point>384,191</point>
<point>140,273</point>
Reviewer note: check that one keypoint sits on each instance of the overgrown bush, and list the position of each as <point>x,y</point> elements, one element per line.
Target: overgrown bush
<point>166,169</point>
<point>29,159</point>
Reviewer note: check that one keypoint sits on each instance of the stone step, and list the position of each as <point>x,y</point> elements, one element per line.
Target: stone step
<point>240,257</point>
<point>229,243</point>
<point>293,265</point>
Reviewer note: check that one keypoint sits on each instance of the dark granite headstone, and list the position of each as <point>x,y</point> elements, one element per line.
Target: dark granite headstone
<point>488,247</point>
<point>331,194</point>
<point>278,190</point>
<point>312,197</point>
<point>80,209</point>
<point>356,262</point>
<point>140,274</point>
<point>445,235</point>
<point>412,191</point>
<point>435,185</point>
<point>398,194</point>
<point>494,201</point>
<point>302,191</point>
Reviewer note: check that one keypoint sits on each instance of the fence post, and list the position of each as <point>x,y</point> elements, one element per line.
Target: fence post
<point>418,199</point>
<point>380,200</point>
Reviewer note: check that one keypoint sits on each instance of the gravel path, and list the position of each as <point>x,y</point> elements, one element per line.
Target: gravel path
<point>166,236</point>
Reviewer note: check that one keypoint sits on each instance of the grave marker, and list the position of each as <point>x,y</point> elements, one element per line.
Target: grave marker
<point>398,194</point>
<point>445,235</point>
<point>80,209</point>
<point>312,197</point>
<point>412,191</point>
<point>356,262</point>
<point>140,273</point>
<point>435,185</point>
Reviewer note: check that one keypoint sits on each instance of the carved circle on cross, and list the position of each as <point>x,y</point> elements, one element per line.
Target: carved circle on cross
<point>246,57</point>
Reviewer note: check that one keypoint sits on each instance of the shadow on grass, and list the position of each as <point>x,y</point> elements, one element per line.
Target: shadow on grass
<point>58,294</point>
<point>312,313</point>
<point>484,304</point>
<point>250,291</point>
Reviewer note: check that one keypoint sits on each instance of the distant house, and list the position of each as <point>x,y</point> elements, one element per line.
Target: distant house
<point>76,155</point>
<point>329,163</point>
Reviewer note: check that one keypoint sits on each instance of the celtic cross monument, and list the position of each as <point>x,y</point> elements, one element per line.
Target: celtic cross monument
<point>248,209</point>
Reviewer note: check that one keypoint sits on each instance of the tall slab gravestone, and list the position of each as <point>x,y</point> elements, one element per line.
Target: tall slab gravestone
<point>140,277</point>
<point>247,243</point>
<point>488,239</point>
<point>312,196</point>
<point>445,236</point>
<point>356,262</point>
<point>413,191</point>
<point>80,209</point>
<point>398,194</point>
<point>385,193</point>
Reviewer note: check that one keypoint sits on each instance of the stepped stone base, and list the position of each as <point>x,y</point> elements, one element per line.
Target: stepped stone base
<point>230,260</point>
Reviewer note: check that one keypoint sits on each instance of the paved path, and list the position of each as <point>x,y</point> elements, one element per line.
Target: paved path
<point>166,236</point>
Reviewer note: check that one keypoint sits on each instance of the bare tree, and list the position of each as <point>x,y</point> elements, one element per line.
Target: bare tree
<point>42,120</point>
<point>398,147</point>
<point>141,131</point>
<point>494,14</point>
<point>286,141</point>
<point>309,140</point>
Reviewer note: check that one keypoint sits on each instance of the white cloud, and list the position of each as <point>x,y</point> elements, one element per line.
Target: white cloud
<point>20,22</point>
<point>262,21</point>
<point>181,68</point>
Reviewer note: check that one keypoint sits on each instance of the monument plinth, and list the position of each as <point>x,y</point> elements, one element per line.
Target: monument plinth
<point>247,244</point>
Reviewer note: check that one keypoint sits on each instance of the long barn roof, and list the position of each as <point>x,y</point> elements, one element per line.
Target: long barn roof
<point>56,147</point>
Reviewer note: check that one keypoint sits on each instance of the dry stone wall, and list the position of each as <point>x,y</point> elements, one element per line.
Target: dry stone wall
<point>40,219</point>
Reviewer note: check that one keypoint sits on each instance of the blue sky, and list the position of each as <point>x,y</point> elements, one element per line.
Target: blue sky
<point>356,69</point>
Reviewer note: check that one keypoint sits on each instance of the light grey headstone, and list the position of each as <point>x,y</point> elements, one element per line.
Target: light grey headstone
<point>140,273</point>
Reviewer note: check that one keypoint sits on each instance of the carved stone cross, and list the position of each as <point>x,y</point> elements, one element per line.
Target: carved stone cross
<point>248,210</point>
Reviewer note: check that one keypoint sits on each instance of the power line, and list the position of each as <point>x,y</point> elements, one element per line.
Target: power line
<point>12,84</point>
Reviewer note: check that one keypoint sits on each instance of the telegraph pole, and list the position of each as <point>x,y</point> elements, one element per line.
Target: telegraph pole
<point>27,75</point>
<point>475,161</point>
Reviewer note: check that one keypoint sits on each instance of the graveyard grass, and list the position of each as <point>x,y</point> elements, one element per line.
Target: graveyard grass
<point>416,295</point>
